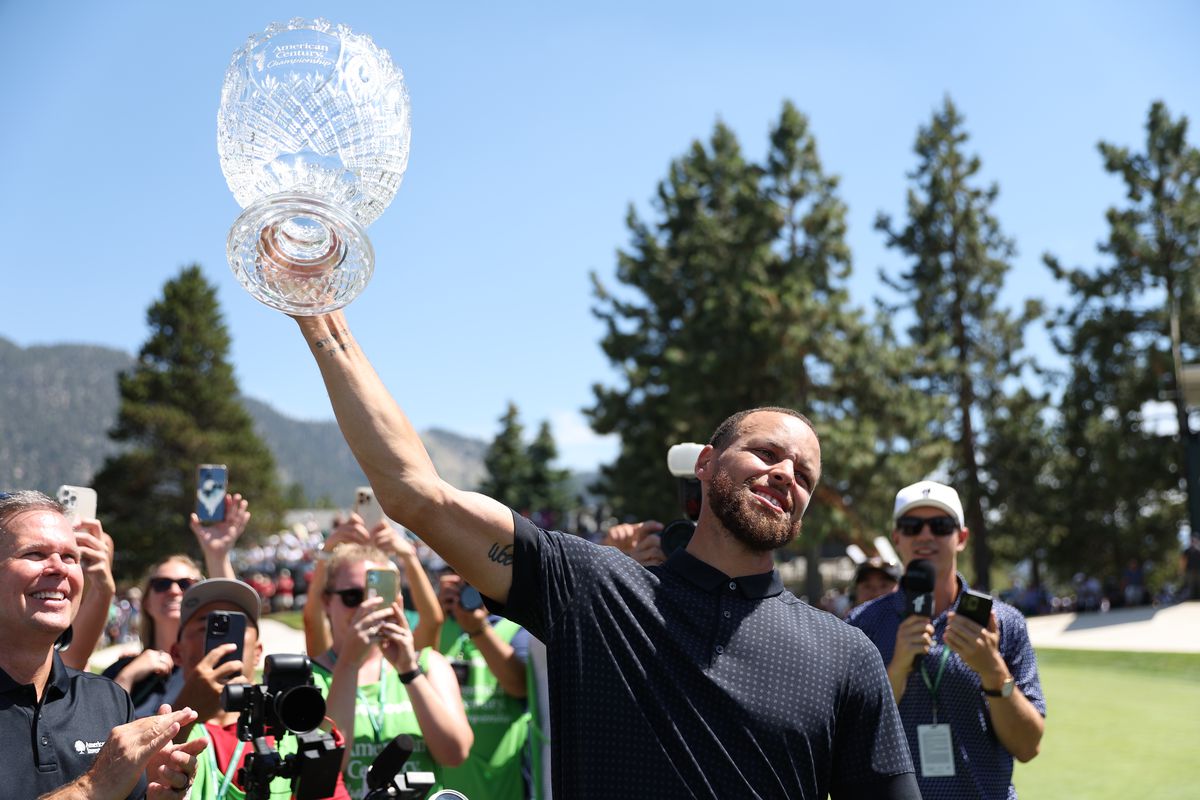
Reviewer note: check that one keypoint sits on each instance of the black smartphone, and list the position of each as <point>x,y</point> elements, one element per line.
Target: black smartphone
<point>212,481</point>
<point>225,627</point>
<point>976,606</point>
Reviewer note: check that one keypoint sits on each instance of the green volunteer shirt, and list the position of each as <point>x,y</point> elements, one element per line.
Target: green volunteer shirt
<point>382,712</point>
<point>499,720</point>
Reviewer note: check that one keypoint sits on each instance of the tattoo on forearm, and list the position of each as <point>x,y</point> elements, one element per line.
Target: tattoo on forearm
<point>336,342</point>
<point>501,555</point>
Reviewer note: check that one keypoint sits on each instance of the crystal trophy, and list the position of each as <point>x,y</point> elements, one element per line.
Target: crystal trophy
<point>313,136</point>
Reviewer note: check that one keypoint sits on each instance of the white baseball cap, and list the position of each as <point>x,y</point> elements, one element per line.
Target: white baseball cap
<point>929,494</point>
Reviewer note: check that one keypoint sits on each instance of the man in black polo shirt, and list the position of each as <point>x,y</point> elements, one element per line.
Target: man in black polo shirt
<point>700,678</point>
<point>65,732</point>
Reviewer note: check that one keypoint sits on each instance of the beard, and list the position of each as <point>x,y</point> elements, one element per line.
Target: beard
<point>743,517</point>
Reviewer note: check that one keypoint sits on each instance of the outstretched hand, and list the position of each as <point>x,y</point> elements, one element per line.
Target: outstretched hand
<point>219,537</point>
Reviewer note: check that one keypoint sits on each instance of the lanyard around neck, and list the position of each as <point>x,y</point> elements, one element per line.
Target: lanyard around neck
<point>227,779</point>
<point>374,711</point>
<point>933,685</point>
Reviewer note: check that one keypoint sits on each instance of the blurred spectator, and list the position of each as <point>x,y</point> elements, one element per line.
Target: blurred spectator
<point>489,654</point>
<point>875,578</point>
<point>285,588</point>
<point>1133,584</point>
<point>1189,564</point>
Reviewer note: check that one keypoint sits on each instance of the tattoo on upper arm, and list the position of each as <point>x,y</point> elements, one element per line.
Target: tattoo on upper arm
<point>336,342</point>
<point>501,555</point>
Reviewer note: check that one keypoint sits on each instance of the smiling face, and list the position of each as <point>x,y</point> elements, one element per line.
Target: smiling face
<point>941,551</point>
<point>163,605</point>
<point>41,578</point>
<point>759,484</point>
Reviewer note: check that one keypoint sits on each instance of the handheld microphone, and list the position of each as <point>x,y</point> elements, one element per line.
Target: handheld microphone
<point>917,584</point>
<point>389,762</point>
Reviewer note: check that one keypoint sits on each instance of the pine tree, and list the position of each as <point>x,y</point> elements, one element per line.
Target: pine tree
<point>967,343</point>
<point>1125,483</point>
<point>507,463</point>
<point>179,407</point>
<point>734,298</point>
<point>548,493</point>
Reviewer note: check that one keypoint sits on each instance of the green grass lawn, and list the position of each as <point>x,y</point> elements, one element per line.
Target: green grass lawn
<point>1118,725</point>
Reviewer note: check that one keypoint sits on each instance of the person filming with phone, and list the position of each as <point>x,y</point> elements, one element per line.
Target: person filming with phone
<point>218,645</point>
<point>961,665</point>
<point>151,675</point>
<point>489,655</point>
<point>377,684</point>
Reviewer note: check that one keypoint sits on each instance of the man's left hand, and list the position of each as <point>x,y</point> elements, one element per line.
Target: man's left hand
<point>979,647</point>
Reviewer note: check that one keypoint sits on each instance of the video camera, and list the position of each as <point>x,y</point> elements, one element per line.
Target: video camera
<point>285,702</point>
<point>681,462</point>
<point>386,780</point>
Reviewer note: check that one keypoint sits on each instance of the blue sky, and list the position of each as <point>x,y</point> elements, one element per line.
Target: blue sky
<point>535,125</point>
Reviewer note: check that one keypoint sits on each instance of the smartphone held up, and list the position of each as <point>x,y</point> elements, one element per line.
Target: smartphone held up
<point>212,482</point>
<point>79,501</point>
<point>367,507</point>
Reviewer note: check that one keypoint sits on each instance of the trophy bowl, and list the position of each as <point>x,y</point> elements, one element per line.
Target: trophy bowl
<point>313,136</point>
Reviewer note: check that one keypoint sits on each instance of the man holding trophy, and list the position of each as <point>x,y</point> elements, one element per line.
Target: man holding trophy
<point>702,677</point>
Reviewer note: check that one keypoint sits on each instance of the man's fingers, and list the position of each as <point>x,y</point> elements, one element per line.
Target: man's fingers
<point>648,526</point>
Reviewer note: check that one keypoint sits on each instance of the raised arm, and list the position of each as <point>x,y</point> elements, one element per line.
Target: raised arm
<point>96,551</point>
<point>473,533</point>
<point>425,600</point>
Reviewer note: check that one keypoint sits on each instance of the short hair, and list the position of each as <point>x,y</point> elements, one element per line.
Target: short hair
<point>727,430</point>
<point>14,503</point>
<point>351,553</point>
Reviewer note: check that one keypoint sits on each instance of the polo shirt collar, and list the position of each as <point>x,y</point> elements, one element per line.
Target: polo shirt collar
<point>59,680</point>
<point>710,579</point>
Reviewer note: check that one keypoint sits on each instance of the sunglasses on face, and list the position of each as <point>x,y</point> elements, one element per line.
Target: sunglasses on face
<point>351,598</point>
<point>938,526</point>
<point>164,584</point>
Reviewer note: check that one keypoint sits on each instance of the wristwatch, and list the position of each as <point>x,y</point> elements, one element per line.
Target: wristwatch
<point>1005,690</point>
<point>408,677</point>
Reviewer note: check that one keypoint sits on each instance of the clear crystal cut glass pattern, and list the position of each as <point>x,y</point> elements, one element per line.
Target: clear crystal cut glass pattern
<point>313,137</point>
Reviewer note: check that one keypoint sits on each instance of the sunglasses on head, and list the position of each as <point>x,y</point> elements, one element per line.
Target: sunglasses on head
<point>351,598</point>
<point>164,584</point>
<point>938,526</point>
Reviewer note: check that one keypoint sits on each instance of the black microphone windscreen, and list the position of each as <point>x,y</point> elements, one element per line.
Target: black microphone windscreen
<point>390,761</point>
<point>919,577</point>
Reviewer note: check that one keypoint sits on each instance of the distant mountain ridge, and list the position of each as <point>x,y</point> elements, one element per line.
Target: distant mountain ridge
<point>57,403</point>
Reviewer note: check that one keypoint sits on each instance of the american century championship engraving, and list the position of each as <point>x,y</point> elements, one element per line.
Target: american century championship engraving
<point>313,136</point>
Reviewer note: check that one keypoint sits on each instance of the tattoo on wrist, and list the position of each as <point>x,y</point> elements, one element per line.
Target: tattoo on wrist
<point>501,555</point>
<point>338,341</point>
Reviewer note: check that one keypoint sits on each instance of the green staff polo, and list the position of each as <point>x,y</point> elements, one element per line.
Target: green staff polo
<point>500,721</point>
<point>382,712</point>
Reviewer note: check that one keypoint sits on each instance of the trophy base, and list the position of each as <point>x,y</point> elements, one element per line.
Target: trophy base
<point>299,254</point>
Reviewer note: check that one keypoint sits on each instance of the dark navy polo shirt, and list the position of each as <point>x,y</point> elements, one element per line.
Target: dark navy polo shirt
<point>678,681</point>
<point>44,746</point>
<point>982,767</point>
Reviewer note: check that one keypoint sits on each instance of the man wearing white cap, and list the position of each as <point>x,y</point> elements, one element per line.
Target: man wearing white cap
<point>969,695</point>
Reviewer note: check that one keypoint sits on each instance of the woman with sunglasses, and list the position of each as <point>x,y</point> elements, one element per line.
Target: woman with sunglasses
<point>150,676</point>
<point>377,685</point>
<point>426,616</point>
